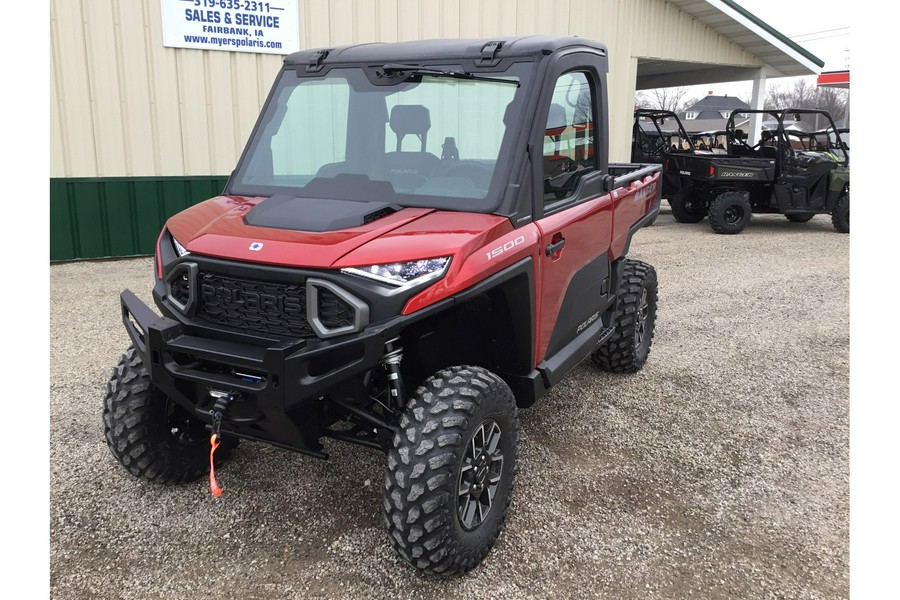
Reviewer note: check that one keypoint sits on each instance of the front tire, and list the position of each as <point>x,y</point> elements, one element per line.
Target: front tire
<point>627,349</point>
<point>686,208</point>
<point>450,475</point>
<point>149,434</point>
<point>840,218</point>
<point>729,213</point>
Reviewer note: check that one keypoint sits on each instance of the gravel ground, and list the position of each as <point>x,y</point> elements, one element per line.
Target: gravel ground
<point>718,471</point>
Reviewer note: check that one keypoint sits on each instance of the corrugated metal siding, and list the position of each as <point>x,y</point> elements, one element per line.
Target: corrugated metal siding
<point>124,105</point>
<point>95,218</point>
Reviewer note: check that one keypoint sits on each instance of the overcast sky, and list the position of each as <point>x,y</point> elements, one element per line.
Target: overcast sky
<point>820,26</point>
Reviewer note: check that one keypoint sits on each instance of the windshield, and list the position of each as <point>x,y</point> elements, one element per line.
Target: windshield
<point>428,141</point>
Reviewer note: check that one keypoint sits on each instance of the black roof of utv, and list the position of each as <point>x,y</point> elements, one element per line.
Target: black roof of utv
<point>450,49</point>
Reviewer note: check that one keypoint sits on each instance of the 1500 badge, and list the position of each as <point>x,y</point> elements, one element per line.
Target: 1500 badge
<point>505,247</point>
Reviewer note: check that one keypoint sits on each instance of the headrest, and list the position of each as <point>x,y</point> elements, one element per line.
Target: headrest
<point>556,118</point>
<point>410,118</point>
<point>508,113</point>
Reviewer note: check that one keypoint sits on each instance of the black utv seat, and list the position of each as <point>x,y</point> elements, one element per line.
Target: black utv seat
<point>408,169</point>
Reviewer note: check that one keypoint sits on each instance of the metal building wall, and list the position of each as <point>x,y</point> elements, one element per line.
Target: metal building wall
<point>125,109</point>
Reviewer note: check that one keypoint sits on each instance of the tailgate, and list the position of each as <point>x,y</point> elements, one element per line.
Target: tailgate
<point>728,168</point>
<point>636,196</point>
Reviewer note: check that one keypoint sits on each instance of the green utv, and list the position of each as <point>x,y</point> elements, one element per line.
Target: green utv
<point>655,135</point>
<point>778,175</point>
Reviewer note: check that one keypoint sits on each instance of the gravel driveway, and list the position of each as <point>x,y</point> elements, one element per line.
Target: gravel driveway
<point>719,471</point>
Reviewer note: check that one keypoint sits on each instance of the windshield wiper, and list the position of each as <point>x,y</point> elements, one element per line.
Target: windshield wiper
<point>411,70</point>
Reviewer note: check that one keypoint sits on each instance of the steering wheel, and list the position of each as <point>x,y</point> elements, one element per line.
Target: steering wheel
<point>563,166</point>
<point>786,152</point>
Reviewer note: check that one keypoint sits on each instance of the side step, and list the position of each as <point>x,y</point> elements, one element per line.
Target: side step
<point>555,367</point>
<point>605,334</point>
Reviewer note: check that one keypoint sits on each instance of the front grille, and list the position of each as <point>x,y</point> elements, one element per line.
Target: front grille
<point>268,307</point>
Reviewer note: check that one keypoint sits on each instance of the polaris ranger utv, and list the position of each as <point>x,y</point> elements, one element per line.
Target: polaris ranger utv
<point>654,143</point>
<point>419,239</point>
<point>769,177</point>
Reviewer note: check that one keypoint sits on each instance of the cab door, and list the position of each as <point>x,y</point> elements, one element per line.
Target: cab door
<point>573,214</point>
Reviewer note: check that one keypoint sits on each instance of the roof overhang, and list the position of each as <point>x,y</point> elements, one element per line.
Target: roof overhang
<point>781,57</point>
<point>656,73</point>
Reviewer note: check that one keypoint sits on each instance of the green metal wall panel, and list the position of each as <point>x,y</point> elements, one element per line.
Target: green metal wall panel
<point>62,243</point>
<point>88,222</point>
<point>147,213</point>
<point>119,210</point>
<point>118,216</point>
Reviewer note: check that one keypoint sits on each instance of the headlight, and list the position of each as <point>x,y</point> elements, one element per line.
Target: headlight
<point>405,273</point>
<point>179,249</point>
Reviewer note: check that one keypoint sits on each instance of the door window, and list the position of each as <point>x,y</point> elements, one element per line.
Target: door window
<point>569,148</point>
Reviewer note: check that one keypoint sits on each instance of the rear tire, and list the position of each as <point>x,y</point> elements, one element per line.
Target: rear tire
<point>627,349</point>
<point>686,208</point>
<point>729,213</point>
<point>149,434</point>
<point>799,217</point>
<point>460,431</point>
<point>840,218</point>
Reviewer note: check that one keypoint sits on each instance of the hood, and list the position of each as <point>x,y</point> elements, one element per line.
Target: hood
<point>218,227</point>
<point>439,233</point>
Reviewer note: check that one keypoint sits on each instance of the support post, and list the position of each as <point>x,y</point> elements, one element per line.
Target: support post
<point>757,102</point>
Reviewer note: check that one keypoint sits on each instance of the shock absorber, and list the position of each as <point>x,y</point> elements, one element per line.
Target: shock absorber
<point>393,354</point>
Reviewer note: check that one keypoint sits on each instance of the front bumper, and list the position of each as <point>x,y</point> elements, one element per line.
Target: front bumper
<point>279,385</point>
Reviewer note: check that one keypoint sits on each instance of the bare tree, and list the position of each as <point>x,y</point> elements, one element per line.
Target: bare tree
<point>670,98</point>
<point>805,94</point>
<point>834,100</point>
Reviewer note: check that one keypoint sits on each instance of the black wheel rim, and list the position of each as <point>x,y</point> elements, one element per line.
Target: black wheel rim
<point>479,475</point>
<point>640,325</point>
<point>186,430</point>
<point>733,214</point>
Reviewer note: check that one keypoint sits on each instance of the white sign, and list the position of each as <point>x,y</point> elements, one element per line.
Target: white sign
<point>272,27</point>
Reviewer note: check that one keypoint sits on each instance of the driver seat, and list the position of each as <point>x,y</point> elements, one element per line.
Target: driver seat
<point>409,168</point>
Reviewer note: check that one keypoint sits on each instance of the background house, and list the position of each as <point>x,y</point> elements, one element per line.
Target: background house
<point>710,113</point>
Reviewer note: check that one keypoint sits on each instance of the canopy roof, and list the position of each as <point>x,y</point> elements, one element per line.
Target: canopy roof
<point>781,56</point>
